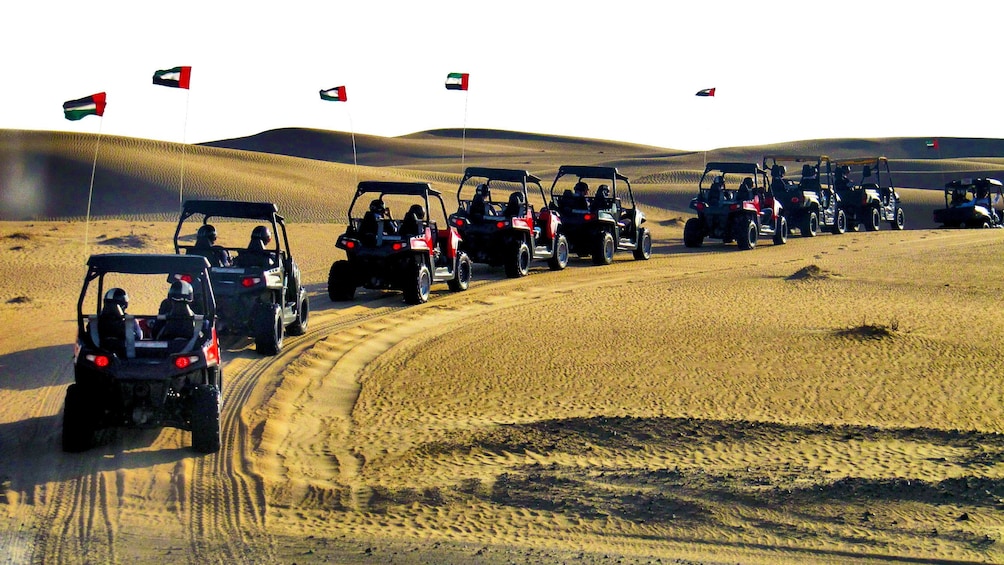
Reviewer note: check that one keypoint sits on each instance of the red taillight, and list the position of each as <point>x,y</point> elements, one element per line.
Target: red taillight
<point>100,360</point>
<point>397,246</point>
<point>460,222</point>
<point>734,207</point>
<point>184,362</point>
<point>350,245</point>
<point>248,282</point>
<point>500,225</point>
<point>587,217</point>
<point>794,200</point>
<point>700,206</point>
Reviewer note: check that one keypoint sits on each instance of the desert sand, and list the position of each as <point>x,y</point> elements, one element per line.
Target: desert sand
<point>835,399</point>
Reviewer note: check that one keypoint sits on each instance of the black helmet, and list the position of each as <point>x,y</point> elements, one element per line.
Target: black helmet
<point>376,206</point>
<point>207,232</point>
<point>580,187</point>
<point>180,291</point>
<point>418,211</point>
<point>262,233</point>
<point>117,296</point>
<point>603,190</point>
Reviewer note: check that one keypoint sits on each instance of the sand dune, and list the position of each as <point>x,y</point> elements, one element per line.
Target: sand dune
<point>834,399</point>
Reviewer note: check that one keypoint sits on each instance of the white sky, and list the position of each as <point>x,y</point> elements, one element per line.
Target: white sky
<point>623,70</point>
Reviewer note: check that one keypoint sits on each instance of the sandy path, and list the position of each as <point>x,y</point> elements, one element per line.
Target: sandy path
<point>592,410</point>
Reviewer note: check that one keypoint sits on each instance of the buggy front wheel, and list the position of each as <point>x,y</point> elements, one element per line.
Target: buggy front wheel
<point>644,249</point>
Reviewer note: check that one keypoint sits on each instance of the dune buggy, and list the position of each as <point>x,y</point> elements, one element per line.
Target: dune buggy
<point>510,231</point>
<point>968,204</point>
<point>737,210</point>
<point>257,286</point>
<point>157,368</point>
<point>871,201</point>
<point>603,223</point>
<point>809,204</point>
<point>409,254</point>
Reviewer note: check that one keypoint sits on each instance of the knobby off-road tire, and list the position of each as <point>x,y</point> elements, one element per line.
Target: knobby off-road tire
<point>269,329</point>
<point>517,263</point>
<point>341,286</point>
<point>810,227</point>
<point>299,326</point>
<point>839,223</point>
<point>419,285</point>
<point>559,260</point>
<point>205,419</point>
<point>693,233</point>
<point>873,219</point>
<point>747,234</point>
<point>781,231</point>
<point>644,249</point>
<point>603,249</point>
<point>462,277</point>
<point>79,419</point>
<point>900,221</point>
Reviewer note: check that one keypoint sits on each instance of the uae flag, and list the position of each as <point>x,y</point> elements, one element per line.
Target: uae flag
<point>457,81</point>
<point>93,105</point>
<point>932,144</point>
<point>178,77</point>
<point>706,92</point>
<point>336,94</point>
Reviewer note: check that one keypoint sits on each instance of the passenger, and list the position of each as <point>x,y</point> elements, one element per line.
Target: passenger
<point>777,173</point>
<point>205,245</point>
<point>843,181</point>
<point>717,191</point>
<point>178,321</point>
<point>111,319</point>
<point>479,204</point>
<point>412,224</point>
<point>746,191</point>
<point>602,200</point>
<point>257,253</point>
<point>371,219</point>
<point>579,196</point>
<point>514,207</point>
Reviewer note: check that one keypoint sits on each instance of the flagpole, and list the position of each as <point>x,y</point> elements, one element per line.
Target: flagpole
<point>355,162</point>
<point>184,150</point>
<point>463,138</point>
<point>90,189</point>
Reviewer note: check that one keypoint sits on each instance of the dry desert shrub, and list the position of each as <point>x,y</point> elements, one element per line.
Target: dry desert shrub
<point>871,331</point>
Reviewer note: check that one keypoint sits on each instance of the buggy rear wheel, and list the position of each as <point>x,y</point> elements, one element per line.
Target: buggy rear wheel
<point>462,278</point>
<point>205,419</point>
<point>79,415</point>
<point>644,249</point>
<point>900,221</point>
<point>603,252</point>
<point>341,286</point>
<point>781,231</point>
<point>810,227</point>
<point>872,221</point>
<point>559,260</point>
<point>299,327</point>
<point>417,289</point>
<point>839,223</point>
<point>693,233</point>
<point>517,263</point>
<point>747,233</point>
<point>268,328</point>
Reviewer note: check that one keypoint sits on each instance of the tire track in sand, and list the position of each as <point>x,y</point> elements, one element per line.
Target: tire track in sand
<point>307,424</point>
<point>224,494</point>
